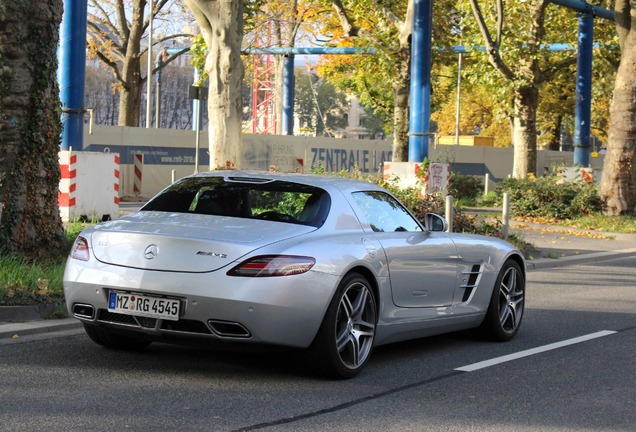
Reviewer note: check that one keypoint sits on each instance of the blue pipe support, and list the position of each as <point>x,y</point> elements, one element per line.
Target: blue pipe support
<point>158,63</point>
<point>370,51</point>
<point>71,72</point>
<point>582,6</point>
<point>287,121</point>
<point>583,104</point>
<point>420,101</point>
<point>554,47</point>
<point>308,50</point>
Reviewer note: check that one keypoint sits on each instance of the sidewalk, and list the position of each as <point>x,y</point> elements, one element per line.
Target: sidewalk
<point>558,246</point>
<point>554,246</point>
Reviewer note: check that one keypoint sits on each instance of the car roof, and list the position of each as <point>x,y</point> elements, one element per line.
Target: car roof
<point>322,181</point>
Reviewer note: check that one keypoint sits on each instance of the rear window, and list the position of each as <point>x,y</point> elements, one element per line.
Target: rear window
<point>276,200</point>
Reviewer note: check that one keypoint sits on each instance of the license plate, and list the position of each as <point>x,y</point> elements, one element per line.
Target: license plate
<point>151,307</point>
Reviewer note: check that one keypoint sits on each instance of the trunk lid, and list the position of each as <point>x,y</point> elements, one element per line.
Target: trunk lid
<point>178,242</point>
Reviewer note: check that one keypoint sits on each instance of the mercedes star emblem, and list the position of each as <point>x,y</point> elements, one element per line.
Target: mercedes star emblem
<point>151,251</point>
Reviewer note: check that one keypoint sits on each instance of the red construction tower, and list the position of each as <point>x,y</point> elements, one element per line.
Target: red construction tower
<point>263,87</point>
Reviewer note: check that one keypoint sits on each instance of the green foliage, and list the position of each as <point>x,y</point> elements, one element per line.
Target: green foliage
<point>250,9</point>
<point>465,187</point>
<point>375,78</point>
<point>317,100</point>
<point>601,222</point>
<point>199,52</point>
<point>546,197</point>
<point>27,281</point>
<point>489,95</point>
<point>24,282</point>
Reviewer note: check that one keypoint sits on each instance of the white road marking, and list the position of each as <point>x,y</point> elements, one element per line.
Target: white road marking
<point>498,360</point>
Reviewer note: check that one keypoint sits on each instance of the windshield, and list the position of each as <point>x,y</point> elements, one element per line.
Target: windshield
<point>277,200</point>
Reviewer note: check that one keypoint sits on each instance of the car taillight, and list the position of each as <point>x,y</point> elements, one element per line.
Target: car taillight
<point>273,265</point>
<point>80,250</point>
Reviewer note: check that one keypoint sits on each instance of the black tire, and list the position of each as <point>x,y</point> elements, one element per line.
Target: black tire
<point>114,340</point>
<point>506,307</point>
<point>345,339</point>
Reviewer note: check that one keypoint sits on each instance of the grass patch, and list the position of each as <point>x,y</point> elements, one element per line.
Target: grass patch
<point>601,222</point>
<point>24,281</point>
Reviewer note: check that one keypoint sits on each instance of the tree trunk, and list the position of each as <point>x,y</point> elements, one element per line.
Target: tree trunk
<point>402,88</point>
<point>279,72</point>
<point>221,23</point>
<point>618,183</point>
<point>132,83</point>
<point>526,102</point>
<point>29,127</point>
<point>555,141</point>
<point>130,94</point>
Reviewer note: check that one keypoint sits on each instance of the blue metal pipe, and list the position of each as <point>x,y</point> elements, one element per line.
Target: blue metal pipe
<point>308,50</point>
<point>554,47</point>
<point>583,104</point>
<point>582,6</point>
<point>71,72</point>
<point>287,121</point>
<point>420,100</point>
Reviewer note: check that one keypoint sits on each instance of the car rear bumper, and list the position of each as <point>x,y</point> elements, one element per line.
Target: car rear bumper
<point>284,311</point>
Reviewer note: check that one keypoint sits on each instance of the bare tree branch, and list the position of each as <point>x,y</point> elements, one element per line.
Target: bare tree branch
<point>549,73</point>
<point>500,23</point>
<point>169,60</point>
<point>121,17</point>
<point>156,9</point>
<point>345,21</point>
<point>113,65</point>
<point>494,55</point>
<point>105,20</point>
<point>167,38</point>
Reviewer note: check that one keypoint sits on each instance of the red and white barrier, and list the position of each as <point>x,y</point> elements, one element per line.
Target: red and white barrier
<point>89,185</point>
<point>116,184</point>
<point>68,185</point>
<point>139,166</point>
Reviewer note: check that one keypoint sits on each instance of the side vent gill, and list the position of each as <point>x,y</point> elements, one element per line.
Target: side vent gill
<point>472,278</point>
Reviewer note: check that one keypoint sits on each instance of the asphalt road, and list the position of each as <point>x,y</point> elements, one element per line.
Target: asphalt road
<point>65,382</point>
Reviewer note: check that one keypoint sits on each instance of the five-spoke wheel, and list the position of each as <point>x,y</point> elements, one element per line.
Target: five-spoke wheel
<point>505,310</point>
<point>345,340</point>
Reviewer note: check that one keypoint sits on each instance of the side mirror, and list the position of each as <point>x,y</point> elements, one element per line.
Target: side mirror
<point>434,222</point>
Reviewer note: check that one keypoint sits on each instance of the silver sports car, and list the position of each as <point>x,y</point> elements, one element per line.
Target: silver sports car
<point>332,265</point>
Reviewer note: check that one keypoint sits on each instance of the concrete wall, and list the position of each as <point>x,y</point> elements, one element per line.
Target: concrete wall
<point>498,162</point>
<point>168,150</point>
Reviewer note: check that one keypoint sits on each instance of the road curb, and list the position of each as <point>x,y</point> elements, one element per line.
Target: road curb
<point>544,263</point>
<point>16,330</point>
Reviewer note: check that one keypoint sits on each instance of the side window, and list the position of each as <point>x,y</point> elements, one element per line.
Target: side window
<point>384,213</point>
